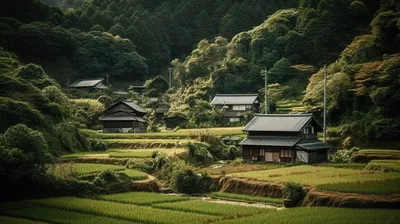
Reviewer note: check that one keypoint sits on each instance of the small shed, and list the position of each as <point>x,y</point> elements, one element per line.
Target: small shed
<point>124,116</point>
<point>172,122</point>
<point>89,85</point>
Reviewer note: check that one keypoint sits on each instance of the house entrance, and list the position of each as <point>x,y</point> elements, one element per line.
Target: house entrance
<point>272,156</point>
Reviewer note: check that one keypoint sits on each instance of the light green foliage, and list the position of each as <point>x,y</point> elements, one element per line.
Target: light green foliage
<point>52,215</point>
<point>142,198</point>
<point>135,174</point>
<point>381,187</point>
<point>247,198</point>
<point>156,87</point>
<point>321,215</point>
<point>122,211</point>
<point>143,153</point>
<point>311,175</point>
<point>210,208</point>
<point>87,111</point>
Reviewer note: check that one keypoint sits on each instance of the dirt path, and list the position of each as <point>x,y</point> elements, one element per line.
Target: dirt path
<point>247,204</point>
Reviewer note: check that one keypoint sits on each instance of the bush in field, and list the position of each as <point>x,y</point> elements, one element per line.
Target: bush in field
<point>294,192</point>
<point>216,148</point>
<point>198,153</point>
<point>233,152</point>
<point>96,144</point>
<point>189,182</point>
<point>142,165</point>
<point>111,182</point>
<point>342,156</point>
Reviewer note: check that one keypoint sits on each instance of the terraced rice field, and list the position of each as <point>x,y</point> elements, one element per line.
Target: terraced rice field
<point>383,187</point>
<point>181,133</point>
<point>321,215</point>
<point>313,176</point>
<point>125,153</point>
<point>203,207</point>
<point>71,210</point>
<point>82,169</point>
<point>387,165</point>
<point>242,167</point>
<point>141,198</point>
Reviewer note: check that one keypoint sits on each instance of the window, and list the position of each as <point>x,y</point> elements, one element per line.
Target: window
<point>248,106</point>
<point>286,153</point>
<point>262,152</point>
<point>234,119</point>
<point>239,107</point>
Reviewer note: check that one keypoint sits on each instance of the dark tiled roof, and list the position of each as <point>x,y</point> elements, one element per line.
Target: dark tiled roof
<point>271,141</point>
<point>234,99</point>
<point>134,106</point>
<point>278,122</point>
<point>313,145</point>
<point>132,118</point>
<point>87,83</point>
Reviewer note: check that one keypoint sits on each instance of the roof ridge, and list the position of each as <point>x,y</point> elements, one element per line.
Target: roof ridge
<point>236,94</point>
<point>283,115</point>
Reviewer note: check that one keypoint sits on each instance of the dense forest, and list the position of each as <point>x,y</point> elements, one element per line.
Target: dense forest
<point>221,47</point>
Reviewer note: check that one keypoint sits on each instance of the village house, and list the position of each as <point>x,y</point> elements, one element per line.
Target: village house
<point>173,121</point>
<point>89,85</point>
<point>124,116</point>
<point>283,138</point>
<point>236,106</point>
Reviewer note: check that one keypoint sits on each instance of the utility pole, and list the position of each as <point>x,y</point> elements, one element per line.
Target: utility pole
<point>325,104</point>
<point>265,74</point>
<point>170,76</point>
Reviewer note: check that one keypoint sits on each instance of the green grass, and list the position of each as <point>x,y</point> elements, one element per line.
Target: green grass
<point>316,175</point>
<point>356,166</point>
<point>136,174</point>
<point>210,208</point>
<point>142,153</point>
<point>386,165</point>
<point>87,168</point>
<point>85,154</point>
<point>379,151</point>
<point>242,167</point>
<point>383,187</point>
<point>247,198</point>
<point>141,198</point>
<point>160,141</point>
<point>11,220</point>
<point>127,212</point>
<point>52,215</point>
<point>321,215</point>
<point>181,133</point>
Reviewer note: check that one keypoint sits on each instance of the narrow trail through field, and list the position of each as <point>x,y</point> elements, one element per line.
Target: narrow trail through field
<point>247,204</point>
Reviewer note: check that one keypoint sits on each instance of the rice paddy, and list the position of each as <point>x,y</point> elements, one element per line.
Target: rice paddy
<point>385,165</point>
<point>140,207</point>
<point>313,175</point>
<point>383,187</point>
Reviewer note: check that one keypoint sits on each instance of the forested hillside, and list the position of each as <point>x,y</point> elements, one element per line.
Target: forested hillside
<point>359,38</point>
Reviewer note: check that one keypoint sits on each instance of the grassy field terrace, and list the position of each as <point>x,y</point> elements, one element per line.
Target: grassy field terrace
<point>138,207</point>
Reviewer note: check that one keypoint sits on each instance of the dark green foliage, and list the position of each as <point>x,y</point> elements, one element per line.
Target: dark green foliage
<point>189,182</point>
<point>15,112</point>
<point>156,87</point>
<point>294,192</point>
<point>95,144</point>
<point>31,142</point>
<point>198,153</point>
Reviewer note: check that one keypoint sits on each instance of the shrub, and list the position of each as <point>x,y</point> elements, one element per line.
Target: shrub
<point>189,182</point>
<point>342,156</point>
<point>96,144</point>
<point>198,153</point>
<point>29,141</point>
<point>294,192</point>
